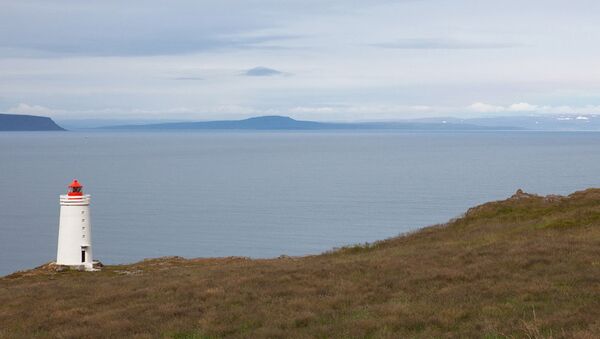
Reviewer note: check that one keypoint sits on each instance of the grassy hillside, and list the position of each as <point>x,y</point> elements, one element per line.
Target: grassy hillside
<point>528,266</point>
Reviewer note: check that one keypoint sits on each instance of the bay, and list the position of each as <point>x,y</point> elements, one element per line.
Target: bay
<point>263,194</point>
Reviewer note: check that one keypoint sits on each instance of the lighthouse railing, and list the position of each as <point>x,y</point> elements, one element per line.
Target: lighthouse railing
<point>75,200</point>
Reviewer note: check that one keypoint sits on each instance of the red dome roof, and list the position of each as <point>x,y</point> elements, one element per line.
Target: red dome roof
<point>75,183</point>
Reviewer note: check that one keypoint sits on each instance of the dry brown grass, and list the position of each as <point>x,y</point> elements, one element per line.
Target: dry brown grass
<point>527,267</point>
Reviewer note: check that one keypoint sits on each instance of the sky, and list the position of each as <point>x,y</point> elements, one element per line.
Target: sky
<point>337,60</point>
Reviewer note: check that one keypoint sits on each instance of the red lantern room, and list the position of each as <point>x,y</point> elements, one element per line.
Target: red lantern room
<point>75,189</point>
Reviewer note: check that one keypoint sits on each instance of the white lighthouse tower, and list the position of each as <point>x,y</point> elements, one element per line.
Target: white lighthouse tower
<point>74,229</point>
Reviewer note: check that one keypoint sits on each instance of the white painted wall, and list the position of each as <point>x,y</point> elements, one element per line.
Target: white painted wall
<point>74,231</point>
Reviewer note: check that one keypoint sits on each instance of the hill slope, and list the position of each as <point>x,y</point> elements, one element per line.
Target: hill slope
<point>18,122</point>
<point>528,266</point>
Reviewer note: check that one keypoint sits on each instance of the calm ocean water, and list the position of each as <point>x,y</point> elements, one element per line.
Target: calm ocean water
<point>267,194</point>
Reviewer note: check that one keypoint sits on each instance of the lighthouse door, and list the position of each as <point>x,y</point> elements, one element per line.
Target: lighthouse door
<point>83,255</point>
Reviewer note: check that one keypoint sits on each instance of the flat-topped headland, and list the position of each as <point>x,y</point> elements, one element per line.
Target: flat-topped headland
<point>528,266</point>
<point>21,122</point>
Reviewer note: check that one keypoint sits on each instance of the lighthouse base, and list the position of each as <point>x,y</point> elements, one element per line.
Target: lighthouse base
<point>89,268</point>
<point>93,267</point>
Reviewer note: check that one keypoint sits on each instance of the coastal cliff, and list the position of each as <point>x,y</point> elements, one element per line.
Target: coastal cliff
<point>528,266</point>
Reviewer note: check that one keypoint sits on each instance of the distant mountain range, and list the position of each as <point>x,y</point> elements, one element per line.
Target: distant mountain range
<point>587,122</point>
<point>17,122</point>
<point>14,122</point>
<point>287,123</point>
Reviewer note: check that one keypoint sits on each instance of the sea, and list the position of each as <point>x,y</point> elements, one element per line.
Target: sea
<point>266,194</point>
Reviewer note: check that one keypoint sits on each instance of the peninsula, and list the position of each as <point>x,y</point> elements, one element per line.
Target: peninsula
<point>528,266</point>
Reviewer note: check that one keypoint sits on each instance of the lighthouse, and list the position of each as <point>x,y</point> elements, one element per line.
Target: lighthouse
<point>75,229</point>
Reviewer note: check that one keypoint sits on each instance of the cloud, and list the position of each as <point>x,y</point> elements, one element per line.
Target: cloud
<point>262,72</point>
<point>111,28</point>
<point>30,109</point>
<point>147,45</point>
<point>523,107</point>
<point>480,107</point>
<point>368,112</point>
<point>418,43</point>
<point>86,56</point>
<point>190,78</point>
